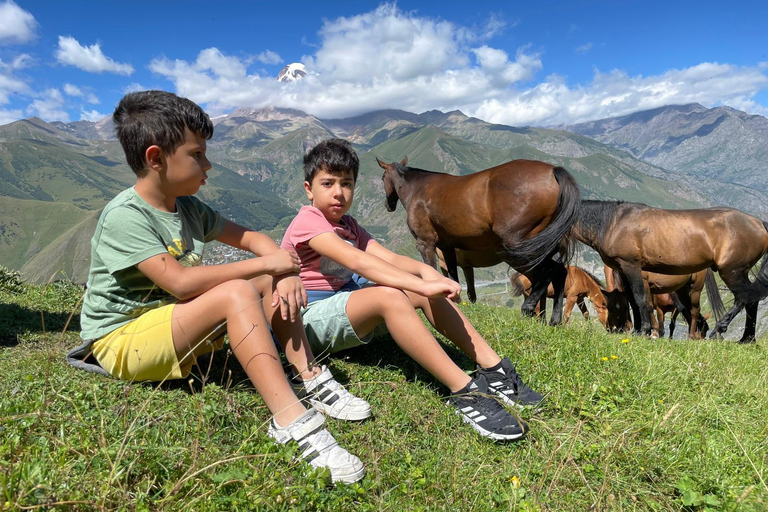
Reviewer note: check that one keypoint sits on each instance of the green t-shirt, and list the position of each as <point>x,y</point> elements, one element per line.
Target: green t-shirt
<point>130,231</point>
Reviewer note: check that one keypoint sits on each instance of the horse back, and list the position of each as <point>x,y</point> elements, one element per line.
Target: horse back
<point>684,241</point>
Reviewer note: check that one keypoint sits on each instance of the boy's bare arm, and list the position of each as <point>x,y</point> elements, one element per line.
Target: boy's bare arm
<point>381,271</point>
<point>411,265</point>
<point>189,282</point>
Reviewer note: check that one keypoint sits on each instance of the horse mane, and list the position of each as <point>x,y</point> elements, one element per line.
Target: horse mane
<point>596,217</point>
<point>407,172</point>
<point>594,278</point>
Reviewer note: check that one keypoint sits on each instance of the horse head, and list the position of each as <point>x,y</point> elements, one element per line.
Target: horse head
<point>618,310</point>
<point>600,301</point>
<point>391,178</point>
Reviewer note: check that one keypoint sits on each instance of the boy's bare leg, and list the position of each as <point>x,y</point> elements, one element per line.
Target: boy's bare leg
<point>239,304</point>
<point>449,321</point>
<point>291,335</point>
<point>368,307</point>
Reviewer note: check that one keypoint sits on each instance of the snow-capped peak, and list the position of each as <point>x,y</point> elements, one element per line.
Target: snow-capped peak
<point>292,72</point>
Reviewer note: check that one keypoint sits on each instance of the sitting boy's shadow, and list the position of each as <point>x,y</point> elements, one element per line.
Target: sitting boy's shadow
<point>16,320</point>
<point>383,351</point>
<point>223,369</point>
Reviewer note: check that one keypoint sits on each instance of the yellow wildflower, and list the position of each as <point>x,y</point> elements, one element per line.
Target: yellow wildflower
<point>515,481</point>
<point>614,356</point>
<point>625,340</point>
<point>605,358</point>
<point>463,303</point>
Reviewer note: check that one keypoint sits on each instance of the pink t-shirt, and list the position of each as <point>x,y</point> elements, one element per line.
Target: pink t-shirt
<point>317,271</point>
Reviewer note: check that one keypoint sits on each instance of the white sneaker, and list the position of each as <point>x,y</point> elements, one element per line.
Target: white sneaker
<point>319,447</point>
<point>325,394</point>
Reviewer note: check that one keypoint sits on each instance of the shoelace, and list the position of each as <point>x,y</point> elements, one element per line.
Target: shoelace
<point>322,440</point>
<point>486,401</point>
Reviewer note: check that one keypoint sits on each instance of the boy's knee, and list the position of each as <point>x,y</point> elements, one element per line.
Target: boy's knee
<point>238,290</point>
<point>393,297</point>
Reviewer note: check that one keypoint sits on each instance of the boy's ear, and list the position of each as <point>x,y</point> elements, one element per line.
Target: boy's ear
<point>154,158</point>
<point>308,189</point>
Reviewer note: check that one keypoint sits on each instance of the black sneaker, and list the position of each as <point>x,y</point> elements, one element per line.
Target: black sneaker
<point>507,384</point>
<point>485,414</point>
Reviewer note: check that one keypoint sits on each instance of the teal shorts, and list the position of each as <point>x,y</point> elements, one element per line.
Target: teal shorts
<point>328,328</point>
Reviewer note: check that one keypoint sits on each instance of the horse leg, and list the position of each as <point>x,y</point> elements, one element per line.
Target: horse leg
<point>722,324</point>
<point>451,264</point>
<point>558,274</point>
<point>469,277</point>
<point>570,301</point>
<point>582,308</point>
<point>673,322</point>
<point>691,312</point>
<point>660,321</point>
<point>749,327</point>
<point>637,298</point>
<point>734,280</point>
<point>538,294</point>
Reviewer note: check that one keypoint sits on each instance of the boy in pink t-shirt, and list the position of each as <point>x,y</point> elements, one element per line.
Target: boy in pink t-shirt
<point>335,252</point>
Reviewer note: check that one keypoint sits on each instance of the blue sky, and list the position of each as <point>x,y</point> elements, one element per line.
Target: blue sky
<point>518,63</point>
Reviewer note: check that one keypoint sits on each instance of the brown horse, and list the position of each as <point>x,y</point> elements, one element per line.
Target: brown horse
<point>522,209</point>
<point>468,261</point>
<point>632,237</point>
<point>664,303</point>
<point>676,294</point>
<point>579,285</point>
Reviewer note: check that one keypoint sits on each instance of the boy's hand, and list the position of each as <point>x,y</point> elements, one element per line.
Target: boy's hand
<point>442,287</point>
<point>281,262</point>
<point>290,294</point>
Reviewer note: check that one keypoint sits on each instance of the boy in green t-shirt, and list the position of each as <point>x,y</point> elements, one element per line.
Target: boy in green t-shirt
<point>150,308</point>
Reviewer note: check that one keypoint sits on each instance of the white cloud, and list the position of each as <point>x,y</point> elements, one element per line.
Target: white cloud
<point>49,106</point>
<point>134,87</point>
<point>583,48</point>
<point>88,58</point>
<point>75,91</point>
<point>269,57</point>
<point>9,116</point>
<point>10,84</point>
<point>92,115</point>
<point>388,58</point>
<point>22,61</point>
<point>72,90</point>
<point>16,24</point>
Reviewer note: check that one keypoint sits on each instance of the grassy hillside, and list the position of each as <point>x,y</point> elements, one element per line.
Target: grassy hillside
<point>27,226</point>
<point>630,424</point>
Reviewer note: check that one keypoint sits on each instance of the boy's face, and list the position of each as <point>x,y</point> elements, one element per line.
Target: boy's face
<point>185,168</point>
<point>331,193</point>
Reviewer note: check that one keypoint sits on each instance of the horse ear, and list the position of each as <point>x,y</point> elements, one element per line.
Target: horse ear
<point>404,161</point>
<point>381,164</point>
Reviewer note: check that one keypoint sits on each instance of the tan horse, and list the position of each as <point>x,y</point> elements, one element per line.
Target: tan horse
<point>578,285</point>
<point>633,237</point>
<point>522,209</point>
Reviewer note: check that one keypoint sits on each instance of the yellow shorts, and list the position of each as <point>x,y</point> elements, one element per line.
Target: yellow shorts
<point>143,349</point>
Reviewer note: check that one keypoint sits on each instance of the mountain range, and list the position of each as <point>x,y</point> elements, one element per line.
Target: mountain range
<point>57,176</point>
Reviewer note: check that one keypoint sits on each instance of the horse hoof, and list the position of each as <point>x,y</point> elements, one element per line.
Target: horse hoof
<point>747,341</point>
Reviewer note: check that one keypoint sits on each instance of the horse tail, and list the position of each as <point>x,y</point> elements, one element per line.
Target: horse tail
<point>557,236</point>
<point>713,292</point>
<point>517,285</point>
<point>678,303</point>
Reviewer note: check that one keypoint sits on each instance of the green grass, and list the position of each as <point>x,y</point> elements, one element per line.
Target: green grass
<point>665,425</point>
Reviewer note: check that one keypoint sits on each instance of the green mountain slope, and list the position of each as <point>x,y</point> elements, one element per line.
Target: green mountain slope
<point>28,226</point>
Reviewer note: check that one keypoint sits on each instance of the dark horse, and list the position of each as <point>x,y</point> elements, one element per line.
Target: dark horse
<point>632,237</point>
<point>522,209</point>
